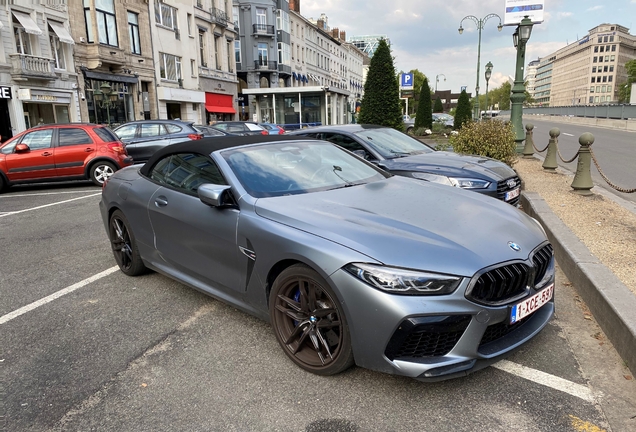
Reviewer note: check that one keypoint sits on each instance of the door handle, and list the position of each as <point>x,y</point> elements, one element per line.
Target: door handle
<point>47,154</point>
<point>88,149</point>
<point>161,201</point>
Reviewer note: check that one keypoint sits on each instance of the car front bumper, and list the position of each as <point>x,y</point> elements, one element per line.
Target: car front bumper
<point>390,332</point>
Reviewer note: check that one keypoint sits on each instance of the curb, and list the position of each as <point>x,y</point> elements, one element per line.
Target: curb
<point>610,301</point>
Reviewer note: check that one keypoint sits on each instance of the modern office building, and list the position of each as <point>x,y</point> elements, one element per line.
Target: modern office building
<point>531,77</point>
<point>587,71</point>
<point>37,71</point>
<point>368,44</point>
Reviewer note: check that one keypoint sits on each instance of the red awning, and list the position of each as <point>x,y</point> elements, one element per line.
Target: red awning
<point>218,103</point>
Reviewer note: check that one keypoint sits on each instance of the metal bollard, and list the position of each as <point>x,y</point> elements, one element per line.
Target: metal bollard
<point>583,178</point>
<point>550,162</point>
<point>528,150</point>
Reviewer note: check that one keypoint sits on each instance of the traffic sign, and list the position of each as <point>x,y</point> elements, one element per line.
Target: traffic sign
<point>406,81</point>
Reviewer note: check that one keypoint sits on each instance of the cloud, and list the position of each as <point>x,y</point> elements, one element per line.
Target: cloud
<point>566,14</point>
<point>595,8</point>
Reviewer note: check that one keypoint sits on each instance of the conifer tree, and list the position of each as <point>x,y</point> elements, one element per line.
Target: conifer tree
<point>463,112</point>
<point>381,101</point>
<point>438,107</point>
<point>424,118</point>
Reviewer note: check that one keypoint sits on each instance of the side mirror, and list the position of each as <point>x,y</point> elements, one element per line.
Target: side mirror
<point>22,148</point>
<point>214,195</point>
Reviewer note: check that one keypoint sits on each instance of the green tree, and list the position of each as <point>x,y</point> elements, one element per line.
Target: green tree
<point>625,89</point>
<point>438,107</point>
<point>424,117</point>
<point>381,101</point>
<point>464,111</point>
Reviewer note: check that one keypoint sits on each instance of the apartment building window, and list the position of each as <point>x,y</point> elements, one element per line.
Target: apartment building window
<point>292,51</point>
<point>591,90</point>
<point>193,67</point>
<point>166,16</point>
<point>604,89</point>
<point>58,38</point>
<point>602,48</point>
<point>593,69</point>
<point>189,22</point>
<point>611,68</point>
<point>133,30</point>
<point>202,50</point>
<point>598,89</point>
<point>611,39</point>
<point>593,79</point>
<point>284,53</point>
<point>609,89</point>
<point>88,21</point>
<point>600,39</point>
<point>604,78</point>
<point>235,15</point>
<point>262,54</point>
<point>610,78</point>
<point>22,41</point>
<point>282,20</point>
<point>600,59</point>
<point>613,48</point>
<point>200,4</point>
<point>228,48</point>
<point>612,58</point>
<point>261,17</point>
<point>297,53</point>
<point>106,23</point>
<point>217,51</point>
<point>237,51</point>
<point>170,67</point>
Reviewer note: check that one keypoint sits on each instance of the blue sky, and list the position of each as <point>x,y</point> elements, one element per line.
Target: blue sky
<point>424,33</point>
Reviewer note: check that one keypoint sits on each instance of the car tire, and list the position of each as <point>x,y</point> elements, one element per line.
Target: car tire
<point>409,131</point>
<point>309,322</point>
<point>101,171</point>
<point>3,184</point>
<point>124,246</point>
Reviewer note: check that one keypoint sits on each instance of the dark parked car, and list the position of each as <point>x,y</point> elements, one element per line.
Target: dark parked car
<point>404,155</point>
<point>272,128</point>
<point>241,127</point>
<point>144,137</point>
<point>209,131</point>
<point>58,152</point>
<point>348,262</point>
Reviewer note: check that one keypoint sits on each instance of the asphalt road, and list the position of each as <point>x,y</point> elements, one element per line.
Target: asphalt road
<point>84,347</point>
<point>615,151</point>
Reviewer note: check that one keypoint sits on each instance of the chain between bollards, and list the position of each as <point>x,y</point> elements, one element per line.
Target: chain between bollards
<point>550,161</point>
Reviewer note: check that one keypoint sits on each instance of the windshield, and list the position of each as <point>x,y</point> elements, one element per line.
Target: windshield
<point>295,168</point>
<point>391,143</point>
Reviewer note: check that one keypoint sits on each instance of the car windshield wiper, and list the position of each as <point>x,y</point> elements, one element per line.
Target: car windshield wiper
<point>399,154</point>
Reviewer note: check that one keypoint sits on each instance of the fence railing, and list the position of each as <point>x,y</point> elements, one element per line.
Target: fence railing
<point>617,112</point>
<point>582,182</point>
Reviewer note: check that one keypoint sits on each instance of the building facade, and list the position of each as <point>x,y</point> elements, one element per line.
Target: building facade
<point>587,71</point>
<point>193,49</point>
<point>531,77</point>
<point>38,81</point>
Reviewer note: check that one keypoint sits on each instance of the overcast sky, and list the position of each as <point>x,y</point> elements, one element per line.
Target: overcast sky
<point>424,34</point>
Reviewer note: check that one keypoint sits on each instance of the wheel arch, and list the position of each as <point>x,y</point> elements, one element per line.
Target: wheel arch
<point>276,270</point>
<point>92,162</point>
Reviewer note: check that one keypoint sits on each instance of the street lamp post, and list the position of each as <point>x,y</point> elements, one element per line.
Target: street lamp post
<point>488,75</point>
<point>104,98</point>
<point>519,38</point>
<point>437,80</point>
<point>480,25</point>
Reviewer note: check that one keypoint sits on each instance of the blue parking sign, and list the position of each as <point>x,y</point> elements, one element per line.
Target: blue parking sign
<point>407,80</point>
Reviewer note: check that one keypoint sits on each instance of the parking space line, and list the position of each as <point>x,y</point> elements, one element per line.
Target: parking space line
<point>16,313</point>
<point>49,205</point>
<point>552,381</point>
<point>40,194</point>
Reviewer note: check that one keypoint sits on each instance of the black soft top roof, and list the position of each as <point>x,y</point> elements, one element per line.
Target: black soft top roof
<point>207,146</point>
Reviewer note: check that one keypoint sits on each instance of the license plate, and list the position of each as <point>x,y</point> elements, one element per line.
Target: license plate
<point>531,305</point>
<point>512,194</point>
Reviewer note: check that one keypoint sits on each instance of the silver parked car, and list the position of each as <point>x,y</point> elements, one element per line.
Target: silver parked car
<point>349,263</point>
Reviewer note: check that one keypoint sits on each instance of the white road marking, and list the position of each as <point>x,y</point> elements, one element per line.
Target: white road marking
<point>49,205</point>
<point>16,313</point>
<point>40,194</point>
<point>566,134</point>
<point>539,377</point>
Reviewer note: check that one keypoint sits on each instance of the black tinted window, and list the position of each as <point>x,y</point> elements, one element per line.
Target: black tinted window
<point>73,136</point>
<point>105,134</point>
<point>343,141</point>
<point>186,172</point>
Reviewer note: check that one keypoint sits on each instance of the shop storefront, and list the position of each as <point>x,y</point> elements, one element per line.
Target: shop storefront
<point>45,106</point>
<point>110,97</point>
<point>6,131</point>
<point>176,103</point>
<point>299,105</point>
<point>219,107</point>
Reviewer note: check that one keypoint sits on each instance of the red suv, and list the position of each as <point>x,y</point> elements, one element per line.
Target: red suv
<point>57,152</point>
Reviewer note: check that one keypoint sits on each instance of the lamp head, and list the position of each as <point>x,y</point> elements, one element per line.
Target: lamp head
<point>460,30</point>
<point>488,71</point>
<point>515,38</point>
<point>499,27</point>
<point>525,29</point>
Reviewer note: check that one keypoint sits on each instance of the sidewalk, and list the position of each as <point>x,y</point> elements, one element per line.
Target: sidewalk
<point>594,239</point>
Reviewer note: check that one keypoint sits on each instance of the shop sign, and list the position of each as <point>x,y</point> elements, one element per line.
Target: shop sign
<point>5,93</point>
<point>39,96</point>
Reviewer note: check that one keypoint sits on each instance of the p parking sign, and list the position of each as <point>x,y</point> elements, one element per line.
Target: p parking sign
<point>406,81</point>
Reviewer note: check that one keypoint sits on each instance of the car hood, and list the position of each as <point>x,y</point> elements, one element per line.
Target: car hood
<point>412,224</point>
<point>453,165</point>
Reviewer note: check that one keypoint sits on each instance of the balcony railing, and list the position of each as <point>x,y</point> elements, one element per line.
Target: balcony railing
<point>25,66</point>
<point>263,29</point>
<point>265,65</point>
<point>284,68</point>
<point>219,16</point>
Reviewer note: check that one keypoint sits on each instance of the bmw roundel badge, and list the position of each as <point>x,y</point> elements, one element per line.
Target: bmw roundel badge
<point>514,246</point>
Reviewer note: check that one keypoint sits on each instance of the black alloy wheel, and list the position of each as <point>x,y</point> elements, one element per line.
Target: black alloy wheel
<point>309,322</point>
<point>124,247</point>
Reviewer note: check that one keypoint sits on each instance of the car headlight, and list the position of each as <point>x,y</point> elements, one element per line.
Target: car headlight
<point>400,281</point>
<point>464,183</point>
